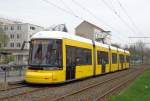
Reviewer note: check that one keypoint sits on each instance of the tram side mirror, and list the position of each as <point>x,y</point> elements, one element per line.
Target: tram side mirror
<point>22,47</point>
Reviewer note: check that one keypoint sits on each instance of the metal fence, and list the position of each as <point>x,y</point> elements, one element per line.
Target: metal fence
<point>11,72</point>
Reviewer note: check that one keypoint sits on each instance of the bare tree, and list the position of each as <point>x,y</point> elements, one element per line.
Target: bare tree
<point>140,48</point>
<point>147,55</point>
<point>138,51</point>
<point>126,47</point>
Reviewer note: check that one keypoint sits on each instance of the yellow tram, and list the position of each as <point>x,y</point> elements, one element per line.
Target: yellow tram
<point>57,57</point>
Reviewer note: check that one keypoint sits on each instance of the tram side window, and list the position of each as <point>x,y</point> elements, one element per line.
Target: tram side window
<point>114,58</point>
<point>87,57</point>
<point>79,56</point>
<point>83,56</point>
<point>121,57</point>
<point>102,57</point>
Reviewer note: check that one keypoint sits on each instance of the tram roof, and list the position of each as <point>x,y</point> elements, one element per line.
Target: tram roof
<point>127,51</point>
<point>121,50</point>
<point>61,35</point>
<point>113,48</point>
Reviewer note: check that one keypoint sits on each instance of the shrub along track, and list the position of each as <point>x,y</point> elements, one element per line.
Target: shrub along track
<point>77,91</point>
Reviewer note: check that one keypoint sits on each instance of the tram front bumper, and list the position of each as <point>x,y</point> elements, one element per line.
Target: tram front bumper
<point>38,77</point>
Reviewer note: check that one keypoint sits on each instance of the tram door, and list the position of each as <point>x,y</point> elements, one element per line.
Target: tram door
<point>104,60</point>
<point>121,65</point>
<point>125,60</point>
<point>121,61</point>
<point>70,63</point>
<point>103,65</point>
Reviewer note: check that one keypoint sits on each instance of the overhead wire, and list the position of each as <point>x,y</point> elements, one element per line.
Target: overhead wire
<point>97,18</point>
<point>76,16</point>
<point>129,17</point>
<point>113,8</point>
<point>67,7</point>
<point>121,19</point>
<point>62,9</point>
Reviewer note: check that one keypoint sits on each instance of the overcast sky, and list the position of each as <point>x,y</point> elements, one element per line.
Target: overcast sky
<point>44,14</point>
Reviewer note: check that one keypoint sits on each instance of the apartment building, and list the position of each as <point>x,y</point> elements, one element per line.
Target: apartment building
<point>93,32</point>
<point>18,33</point>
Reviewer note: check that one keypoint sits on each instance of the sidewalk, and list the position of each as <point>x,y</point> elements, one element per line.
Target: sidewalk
<point>11,79</point>
<point>12,76</point>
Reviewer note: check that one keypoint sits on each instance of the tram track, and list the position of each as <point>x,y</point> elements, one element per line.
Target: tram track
<point>31,91</point>
<point>11,92</point>
<point>15,90</point>
<point>65,96</point>
<point>115,89</point>
<point>13,86</point>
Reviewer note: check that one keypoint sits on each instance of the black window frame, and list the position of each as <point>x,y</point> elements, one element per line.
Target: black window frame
<point>121,58</point>
<point>114,58</point>
<point>83,56</point>
<point>104,55</point>
<point>59,55</point>
<point>5,27</point>
<point>12,36</point>
<point>18,27</point>
<point>12,28</point>
<point>18,44</point>
<point>11,44</point>
<point>127,59</point>
<point>18,36</point>
<point>32,28</point>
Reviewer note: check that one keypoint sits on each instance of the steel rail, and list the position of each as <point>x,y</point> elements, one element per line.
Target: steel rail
<point>66,95</point>
<point>14,86</point>
<point>22,93</point>
<point>91,86</point>
<point>117,87</point>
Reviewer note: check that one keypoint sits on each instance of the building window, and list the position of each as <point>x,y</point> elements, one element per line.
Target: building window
<point>18,36</point>
<point>5,27</point>
<point>11,44</point>
<point>32,28</point>
<point>18,45</point>
<point>5,44</point>
<point>18,27</point>
<point>114,58</point>
<point>12,36</point>
<point>102,57</point>
<point>12,27</point>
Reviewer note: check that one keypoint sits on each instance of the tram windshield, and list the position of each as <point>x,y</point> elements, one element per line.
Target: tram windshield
<point>46,53</point>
